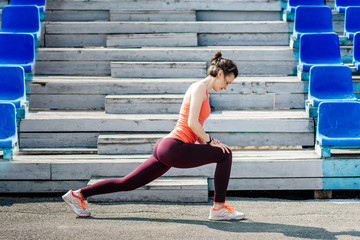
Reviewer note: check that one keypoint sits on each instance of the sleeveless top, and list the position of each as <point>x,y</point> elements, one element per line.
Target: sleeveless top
<point>182,131</point>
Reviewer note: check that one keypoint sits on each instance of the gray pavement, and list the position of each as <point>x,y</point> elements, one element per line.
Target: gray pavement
<point>50,218</point>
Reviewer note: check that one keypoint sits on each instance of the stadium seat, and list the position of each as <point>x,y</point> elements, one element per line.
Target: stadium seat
<point>312,19</point>
<point>338,126</point>
<point>8,129</point>
<point>12,82</point>
<point>17,49</point>
<point>319,49</point>
<point>341,5</point>
<point>356,53</point>
<point>292,4</point>
<point>352,21</point>
<point>330,83</point>
<point>39,3</point>
<point>21,19</point>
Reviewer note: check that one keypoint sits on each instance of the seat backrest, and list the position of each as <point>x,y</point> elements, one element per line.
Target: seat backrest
<point>352,19</point>
<point>294,3</point>
<point>28,2</point>
<point>25,19</point>
<point>12,82</point>
<point>7,120</point>
<point>313,19</point>
<point>339,119</point>
<point>347,3</point>
<point>331,82</point>
<point>320,48</point>
<point>16,48</point>
<point>356,49</point>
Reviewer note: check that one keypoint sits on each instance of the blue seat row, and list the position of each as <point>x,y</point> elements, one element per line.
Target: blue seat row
<point>39,3</point>
<point>20,30</point>
<point>338,127</point>
<point>340,5</point>
<point>8,129</point>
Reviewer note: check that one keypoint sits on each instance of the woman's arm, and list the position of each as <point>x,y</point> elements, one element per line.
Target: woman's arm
<point>197,96</point>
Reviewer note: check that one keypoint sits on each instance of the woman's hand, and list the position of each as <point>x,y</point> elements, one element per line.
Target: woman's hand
<point>217,143</point>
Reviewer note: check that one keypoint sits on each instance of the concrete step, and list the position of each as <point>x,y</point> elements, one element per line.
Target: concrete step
<point>211,33</point>
<point>168,189</point>
<point>62,92</point>
<point>127,143</point>
<point>57,151</point>
<point>133,104</point>
<point>260,60</point>
<point>275,170</point>
<point>158,69</point>
<point>153,40</point>
<point>258,5</point>
<point>152,15</point>
<point>62,129</point>
<point>148,15</point>
<point>170,103</point>
<point>167,27</point>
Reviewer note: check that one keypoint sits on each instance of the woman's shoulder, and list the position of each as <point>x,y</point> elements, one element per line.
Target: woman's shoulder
<point>198,88</point>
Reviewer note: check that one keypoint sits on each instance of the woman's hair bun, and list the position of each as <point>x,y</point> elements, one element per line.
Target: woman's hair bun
<point>217,57</point>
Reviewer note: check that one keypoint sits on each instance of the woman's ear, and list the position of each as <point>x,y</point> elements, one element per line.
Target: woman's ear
<point>220,73</point>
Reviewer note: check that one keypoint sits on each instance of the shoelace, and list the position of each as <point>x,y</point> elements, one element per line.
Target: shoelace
<point>83,204</point>
<point>228,207</point>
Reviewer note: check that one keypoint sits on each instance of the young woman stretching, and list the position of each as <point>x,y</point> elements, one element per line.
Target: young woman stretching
<point>178,149</point>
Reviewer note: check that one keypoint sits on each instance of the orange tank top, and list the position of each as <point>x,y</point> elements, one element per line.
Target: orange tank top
<point>182,131</point>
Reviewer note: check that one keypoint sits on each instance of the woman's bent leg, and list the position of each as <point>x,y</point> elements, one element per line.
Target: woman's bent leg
<point>143,174</point>
<point>175,153</point>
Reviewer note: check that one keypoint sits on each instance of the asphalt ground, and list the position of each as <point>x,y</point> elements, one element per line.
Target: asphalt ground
<point>51,218</point>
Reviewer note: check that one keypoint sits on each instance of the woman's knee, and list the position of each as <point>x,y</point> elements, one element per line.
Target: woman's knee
<point>228,156</point>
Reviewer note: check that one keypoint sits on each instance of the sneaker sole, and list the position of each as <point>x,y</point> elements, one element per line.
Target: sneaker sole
<point>227,219</point>
<point>68,203</point>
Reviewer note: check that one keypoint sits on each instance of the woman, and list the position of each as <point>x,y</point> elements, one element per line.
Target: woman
<point>178,149</point>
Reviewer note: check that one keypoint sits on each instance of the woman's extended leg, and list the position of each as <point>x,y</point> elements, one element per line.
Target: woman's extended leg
<point>148,171</point>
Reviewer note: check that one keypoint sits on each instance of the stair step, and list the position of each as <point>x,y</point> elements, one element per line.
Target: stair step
<point>183,15</point>
<point>127,143</point>
<point>63,129</point>
<point>61,92</point>
<point>132,104</point>
<point>167,189</point>
<point>152,15</point>
<point>57,151</point>
<point>264,5</point>
<point>158,69</point>
<point>153,40</point>
<point>256,27</point>
<point>260,60</point>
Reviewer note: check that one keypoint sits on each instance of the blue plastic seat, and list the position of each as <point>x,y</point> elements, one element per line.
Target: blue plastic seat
<point>319,49</point>
<point>341,5</point>
<point>39,3</point>
<point>17,49</point>
<point>338,124</point>
<point>8,130</point>
<point>330,83</point>
<point>356,51</point>
<point>352,21</point>
<point>21,19</point>
<point>292,4</point>
<point>12,82</point>
<point>312,19</point>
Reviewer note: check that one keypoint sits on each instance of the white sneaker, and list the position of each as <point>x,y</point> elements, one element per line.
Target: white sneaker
<point>77,204</point>
<point>225,213</point>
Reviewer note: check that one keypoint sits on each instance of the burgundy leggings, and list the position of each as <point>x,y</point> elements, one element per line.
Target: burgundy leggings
<point>170,152</point>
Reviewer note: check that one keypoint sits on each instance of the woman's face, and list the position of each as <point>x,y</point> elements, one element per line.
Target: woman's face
<point>222,81</point>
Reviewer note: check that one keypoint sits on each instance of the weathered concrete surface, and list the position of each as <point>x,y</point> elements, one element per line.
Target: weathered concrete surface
<point>45,218</point>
